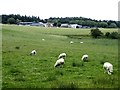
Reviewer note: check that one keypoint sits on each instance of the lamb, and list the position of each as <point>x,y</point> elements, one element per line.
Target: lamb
<point>108,67</point>
<point>33,52</point>
<point>59,62</point>
<point>62,55</point>
<point>85,57</point>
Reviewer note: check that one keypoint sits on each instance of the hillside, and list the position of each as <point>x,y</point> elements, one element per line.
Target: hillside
<point>57,21</point>
<point>20,70</point>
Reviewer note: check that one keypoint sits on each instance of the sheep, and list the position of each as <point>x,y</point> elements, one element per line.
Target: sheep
<point>43,39</point>
<point>71,42</point>
<point>85,57</point>
<point>81,42</point>
<point>59,62</point>
<point>33,52</point>
<point>108,67</point>
<point>62,55</point>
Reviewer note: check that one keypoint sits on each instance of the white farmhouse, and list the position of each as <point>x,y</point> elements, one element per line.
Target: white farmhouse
<point>75,26</point>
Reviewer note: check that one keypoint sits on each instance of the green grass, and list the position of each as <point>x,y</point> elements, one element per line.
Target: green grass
<point>20,70</point>
<point>0,56</point>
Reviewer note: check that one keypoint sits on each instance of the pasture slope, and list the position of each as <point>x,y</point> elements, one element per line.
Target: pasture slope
<point>20,70</point>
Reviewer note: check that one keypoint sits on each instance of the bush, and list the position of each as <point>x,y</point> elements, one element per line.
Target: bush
<point>11,21</point>
<point>95,33</point>
<point>113,35</point>
<point>107,34</point>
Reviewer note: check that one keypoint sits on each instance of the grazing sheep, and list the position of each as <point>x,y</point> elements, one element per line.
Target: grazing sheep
<point>81,42</point>
<point>43,39</point>
<point>108,67</point>
<point>71,42</point>
<point>33,52</point>
<point>62,55</point>
<point>85,57</point>
<point>59,62</point>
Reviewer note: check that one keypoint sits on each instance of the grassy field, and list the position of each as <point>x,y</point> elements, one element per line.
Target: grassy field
<point>20,70</point>
<point>0,56</point>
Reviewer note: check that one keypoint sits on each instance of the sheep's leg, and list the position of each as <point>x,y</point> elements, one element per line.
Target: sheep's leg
<point>105,70</point>
<point>109,73</point>
<point>62,64</point>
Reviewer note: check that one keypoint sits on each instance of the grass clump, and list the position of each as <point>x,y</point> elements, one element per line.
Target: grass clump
<point>77,64</point>
<point>68,85</point>
<point>17,47</point>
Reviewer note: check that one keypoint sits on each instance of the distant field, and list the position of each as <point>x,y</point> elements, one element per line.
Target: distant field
<point>20,70</point>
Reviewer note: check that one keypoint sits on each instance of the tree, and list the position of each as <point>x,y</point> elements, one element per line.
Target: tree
<point>113,25</point>
<point>18,21</point>
<point>103,24</point>
<point>107,34</point>
<point>55,24</point>
<point>4,19</point>
<point>95,33</point>
<point>11,21</point>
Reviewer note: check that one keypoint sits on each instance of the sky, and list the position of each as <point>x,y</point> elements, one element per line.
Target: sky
<point>94,9</point>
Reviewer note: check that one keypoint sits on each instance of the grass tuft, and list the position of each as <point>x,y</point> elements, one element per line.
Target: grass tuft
<point>77,64</point>
<point>15,71</point>
<point>70,85</point>
<point>17,47</point>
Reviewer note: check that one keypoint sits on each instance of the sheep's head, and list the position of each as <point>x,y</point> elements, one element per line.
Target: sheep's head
<point>110,70</point>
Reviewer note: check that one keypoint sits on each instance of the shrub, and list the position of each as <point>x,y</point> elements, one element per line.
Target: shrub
<point>107,34</point>
<point>114,35</point>
<point>95,33</point>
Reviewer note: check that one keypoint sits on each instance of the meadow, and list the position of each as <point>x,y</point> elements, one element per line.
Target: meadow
<point>20,70</point>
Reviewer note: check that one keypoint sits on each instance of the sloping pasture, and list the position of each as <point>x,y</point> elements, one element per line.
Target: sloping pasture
<point>20,70</point>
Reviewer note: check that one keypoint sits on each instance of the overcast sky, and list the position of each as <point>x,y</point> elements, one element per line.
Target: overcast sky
<point>94,9</point>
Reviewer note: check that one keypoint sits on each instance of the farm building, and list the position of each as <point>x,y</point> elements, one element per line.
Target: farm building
<point>71,26</point>
<point>48,25</point>
<point>75,26</point>
<point>31,23</point>
<point>25,23</point>
<point>85,27</point>
<point>37,24</point>
<point>65,25</point>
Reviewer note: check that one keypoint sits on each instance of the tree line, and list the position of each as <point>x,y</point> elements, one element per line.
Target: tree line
<point>15,19</point>
<point>85,22</point>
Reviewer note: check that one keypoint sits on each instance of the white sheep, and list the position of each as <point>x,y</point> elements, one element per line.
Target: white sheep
<point>85,57</point>
<point>43,39</point>
<point>33,52</point>
<point>108,67</point>
<point>59,62</point>
<point>81,42</point>
<point>71,42</point>
<point>62,55</point>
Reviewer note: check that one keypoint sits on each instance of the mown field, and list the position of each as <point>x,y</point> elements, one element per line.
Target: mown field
<point>20,70</point>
